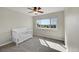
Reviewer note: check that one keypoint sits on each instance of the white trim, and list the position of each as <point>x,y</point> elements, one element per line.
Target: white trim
<point>5,43</point>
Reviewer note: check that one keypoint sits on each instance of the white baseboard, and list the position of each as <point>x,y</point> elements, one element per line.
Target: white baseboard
<point>51,37</point>
<point>5,43</point>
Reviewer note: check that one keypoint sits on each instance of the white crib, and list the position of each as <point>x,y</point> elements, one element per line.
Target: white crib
<point>21,34</point>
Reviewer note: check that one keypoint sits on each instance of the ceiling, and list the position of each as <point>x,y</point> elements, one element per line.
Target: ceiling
<point>45,9</point>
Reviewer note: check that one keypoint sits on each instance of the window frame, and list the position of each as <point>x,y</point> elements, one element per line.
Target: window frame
<point>50,23</point>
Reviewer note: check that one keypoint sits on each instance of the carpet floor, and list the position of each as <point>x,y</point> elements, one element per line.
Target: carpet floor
<point>35,44</point>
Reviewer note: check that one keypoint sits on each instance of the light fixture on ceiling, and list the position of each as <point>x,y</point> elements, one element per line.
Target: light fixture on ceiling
<point>36,10</point>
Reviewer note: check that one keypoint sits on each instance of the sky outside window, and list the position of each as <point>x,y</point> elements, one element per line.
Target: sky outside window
<point>54,21</point>
<point>44,21</point>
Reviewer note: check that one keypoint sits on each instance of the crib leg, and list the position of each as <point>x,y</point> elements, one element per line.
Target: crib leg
<point>17,44</point>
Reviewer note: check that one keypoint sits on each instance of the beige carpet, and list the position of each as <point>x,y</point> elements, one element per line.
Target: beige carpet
<point>35,44</point>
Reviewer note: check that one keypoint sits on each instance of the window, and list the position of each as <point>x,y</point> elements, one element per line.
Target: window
<point>47,23</point>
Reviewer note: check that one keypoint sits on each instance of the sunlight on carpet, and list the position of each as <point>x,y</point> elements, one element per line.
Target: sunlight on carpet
<point>51,45</point>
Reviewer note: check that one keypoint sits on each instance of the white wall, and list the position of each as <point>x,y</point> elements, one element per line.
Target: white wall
<point>72,28</point>
<point>10,19</point>
<point>56,34</point>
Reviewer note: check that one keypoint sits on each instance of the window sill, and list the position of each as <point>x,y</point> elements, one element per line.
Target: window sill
<point>47,28</point>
